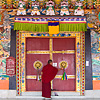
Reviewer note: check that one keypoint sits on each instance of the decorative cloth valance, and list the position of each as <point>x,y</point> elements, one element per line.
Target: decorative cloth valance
<point>40,24</point>
<point>53,27</point>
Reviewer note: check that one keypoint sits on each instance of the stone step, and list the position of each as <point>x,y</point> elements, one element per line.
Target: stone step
<point>52,93</point>
<point>53,97</point>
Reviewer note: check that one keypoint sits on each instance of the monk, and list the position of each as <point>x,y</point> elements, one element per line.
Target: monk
<point>48,74</point>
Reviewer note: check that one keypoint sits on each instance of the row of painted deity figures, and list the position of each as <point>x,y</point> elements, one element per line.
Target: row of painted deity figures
<point>50,9</point>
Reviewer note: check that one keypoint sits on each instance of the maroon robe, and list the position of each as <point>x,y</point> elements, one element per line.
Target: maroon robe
<point>49,72</point>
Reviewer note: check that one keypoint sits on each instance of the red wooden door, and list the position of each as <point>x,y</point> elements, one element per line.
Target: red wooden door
<point>64,45</point>
<point>35,44</point>
<point>38,49</point>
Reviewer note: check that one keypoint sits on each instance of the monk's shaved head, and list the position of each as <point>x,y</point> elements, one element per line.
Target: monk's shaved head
<point>49,61</point>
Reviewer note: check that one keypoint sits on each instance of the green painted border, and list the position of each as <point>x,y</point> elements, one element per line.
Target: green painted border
<point>4,76</point>
<point>0,18</point>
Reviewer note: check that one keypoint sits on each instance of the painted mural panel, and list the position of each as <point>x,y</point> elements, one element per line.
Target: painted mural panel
<point>4,42</point>
<point>95,51</point>
<point>95,46</point>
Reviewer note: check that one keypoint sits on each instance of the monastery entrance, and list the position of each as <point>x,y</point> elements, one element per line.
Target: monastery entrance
<point>36,44</point>
<point>33,52</point>
<point>61,51</point>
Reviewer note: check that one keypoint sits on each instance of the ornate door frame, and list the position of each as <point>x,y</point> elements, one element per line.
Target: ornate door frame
<point>21,52</point>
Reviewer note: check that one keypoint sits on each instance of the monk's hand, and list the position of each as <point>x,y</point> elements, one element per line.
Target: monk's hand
<point>60,68</point>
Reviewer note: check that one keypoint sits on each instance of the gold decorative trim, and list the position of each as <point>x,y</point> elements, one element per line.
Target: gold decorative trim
<point>63,64</point>
<point>38,52</point>
<point>51,56</point>
<point>38,64</point>
<point>57,76</point>
<point>68,76</point>
<point>31,77</point>
<point>50,47</point>
<point>50,52</point>
<point>67,51</point>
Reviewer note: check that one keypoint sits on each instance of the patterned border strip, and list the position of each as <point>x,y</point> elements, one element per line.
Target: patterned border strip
<point>23,51</point>
<point>4,77</point>
<point>82,64</point>
<point>78,60</point>
<point>17,63</point>
<point>96,77</point>
<point>43,20</point>
<point>20,74</point>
